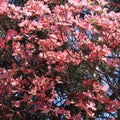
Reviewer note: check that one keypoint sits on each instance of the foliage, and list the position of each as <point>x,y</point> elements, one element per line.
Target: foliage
<point>59,59</point>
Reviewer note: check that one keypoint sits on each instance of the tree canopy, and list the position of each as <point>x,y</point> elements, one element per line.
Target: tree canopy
<point>59,60</point>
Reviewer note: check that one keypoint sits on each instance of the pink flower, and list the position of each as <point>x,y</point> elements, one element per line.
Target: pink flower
<point>17,104</point>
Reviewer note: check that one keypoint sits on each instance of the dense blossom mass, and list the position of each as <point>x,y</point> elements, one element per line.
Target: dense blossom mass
<point>59,60</point>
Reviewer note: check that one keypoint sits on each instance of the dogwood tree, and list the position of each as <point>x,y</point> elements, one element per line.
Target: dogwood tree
<point>59,59</point>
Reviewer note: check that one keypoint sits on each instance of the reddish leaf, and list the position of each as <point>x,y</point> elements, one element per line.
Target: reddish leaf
<point>10,33</point>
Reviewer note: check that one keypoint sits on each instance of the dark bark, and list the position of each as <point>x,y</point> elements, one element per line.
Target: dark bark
<point>118,114</point>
